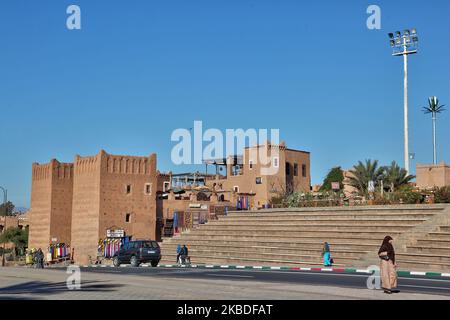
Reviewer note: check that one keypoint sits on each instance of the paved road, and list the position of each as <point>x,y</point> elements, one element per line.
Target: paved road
<point>409,284</point>
<point>193,284</point>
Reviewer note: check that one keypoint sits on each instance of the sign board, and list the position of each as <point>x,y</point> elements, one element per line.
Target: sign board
<point>204,207</point>
<point>54,240</point>
<point>195,205</point>
<point>335,186</point>
<point>115,233</point>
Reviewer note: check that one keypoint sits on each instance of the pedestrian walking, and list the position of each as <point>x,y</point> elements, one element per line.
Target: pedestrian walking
<point>40,259</point>
<point>388,267</point>
<point>326,255</point>
<point>185,255</point>
<point>178,254</point>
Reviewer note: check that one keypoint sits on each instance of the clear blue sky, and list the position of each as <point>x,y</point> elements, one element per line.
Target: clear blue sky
<point>139,69</point>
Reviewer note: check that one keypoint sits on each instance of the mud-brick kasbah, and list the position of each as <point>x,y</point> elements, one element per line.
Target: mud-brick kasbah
<point>80,203</point>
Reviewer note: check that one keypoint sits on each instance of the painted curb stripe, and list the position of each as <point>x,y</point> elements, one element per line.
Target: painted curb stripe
<point>418,273</point>
<point>340,270</point>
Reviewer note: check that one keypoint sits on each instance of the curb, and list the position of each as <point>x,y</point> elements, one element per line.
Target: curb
<point>328,270</point>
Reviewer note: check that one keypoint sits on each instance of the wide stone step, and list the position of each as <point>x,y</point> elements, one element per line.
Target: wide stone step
<point>440,235</point>
<point>444,228</point>
<point>360,238</point>
<point>431,258</point>
<point>323,234</point>
<point>364,215</point>
<point>437,250</point>
<point>263,256</point>
<point>282,244</point>
<point>433,242</point>
<point>311,227</point>
<point>414,265</point>
<point>264,249</point>
<point>213,259</point>
<point>319,219</point>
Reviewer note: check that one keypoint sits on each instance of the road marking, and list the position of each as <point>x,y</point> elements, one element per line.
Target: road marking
<point>240,267</point>
<point>257,267</point>
<point>228,275</point>
<point>224,267</point>
<point>275,268</point>
<point>363,271</point>
<point>415,273</point>
<point>425,287</point>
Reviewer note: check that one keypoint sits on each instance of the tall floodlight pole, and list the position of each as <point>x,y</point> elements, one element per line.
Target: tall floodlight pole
<point>5,200</point>
<point>404,45</point>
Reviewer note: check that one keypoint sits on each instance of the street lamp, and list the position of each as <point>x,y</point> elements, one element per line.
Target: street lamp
<point>5,200</point>
<point>404,45</point>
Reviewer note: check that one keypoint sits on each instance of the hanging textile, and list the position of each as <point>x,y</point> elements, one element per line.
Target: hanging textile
<point>175,222</point>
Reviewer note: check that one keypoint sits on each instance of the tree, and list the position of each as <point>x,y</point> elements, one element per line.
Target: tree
<point>17,236</point>
<point>334,175</point>
<point>362,173</point>
<point>9,209</point>
<point>395,177</point>
<point>434,108</point>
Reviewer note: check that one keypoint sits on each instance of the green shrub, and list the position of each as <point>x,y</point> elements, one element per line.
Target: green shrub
<point>442,195</point>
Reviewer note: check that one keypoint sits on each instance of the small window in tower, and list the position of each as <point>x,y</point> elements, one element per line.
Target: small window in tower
<point>295,169</point>
<point>304,170</point>
<point>250,164</point>
<point>148,188</point>
<point>128,217</point>
<point>129,189</point>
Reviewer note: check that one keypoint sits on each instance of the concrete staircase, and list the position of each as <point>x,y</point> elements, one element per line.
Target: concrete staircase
<point>294,237</point>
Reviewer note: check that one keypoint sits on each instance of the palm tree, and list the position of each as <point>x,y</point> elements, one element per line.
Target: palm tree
<point>362,173</point>
<point>396,177</point>
<point>434,108</point>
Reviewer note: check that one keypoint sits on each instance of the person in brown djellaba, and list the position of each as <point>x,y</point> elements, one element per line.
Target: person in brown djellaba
<point>388,267</point>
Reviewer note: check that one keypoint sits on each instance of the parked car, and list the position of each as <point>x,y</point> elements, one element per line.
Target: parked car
<point>137,252</point>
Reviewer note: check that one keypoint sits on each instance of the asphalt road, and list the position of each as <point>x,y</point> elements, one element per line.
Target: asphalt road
<point>409,284</point>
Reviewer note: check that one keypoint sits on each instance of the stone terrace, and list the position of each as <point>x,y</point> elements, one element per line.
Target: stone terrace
<point>294,237</point>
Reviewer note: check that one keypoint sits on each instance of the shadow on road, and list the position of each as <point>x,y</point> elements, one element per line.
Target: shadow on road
<point>39,287</point>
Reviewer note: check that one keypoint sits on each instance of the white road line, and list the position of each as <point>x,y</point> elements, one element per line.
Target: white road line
<point>425,287</point>
<point>257,267</point>
<point>228,275</point>
<point>240,267</point>
<point>224,267</point>
<point>275,268</point>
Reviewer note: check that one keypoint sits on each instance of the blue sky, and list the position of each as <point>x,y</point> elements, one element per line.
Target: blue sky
<point>140,69</point>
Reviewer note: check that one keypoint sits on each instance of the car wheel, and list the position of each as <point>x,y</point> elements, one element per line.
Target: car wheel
<point>154,264</point>
<point>134,261</point>
<point>116,261</point>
